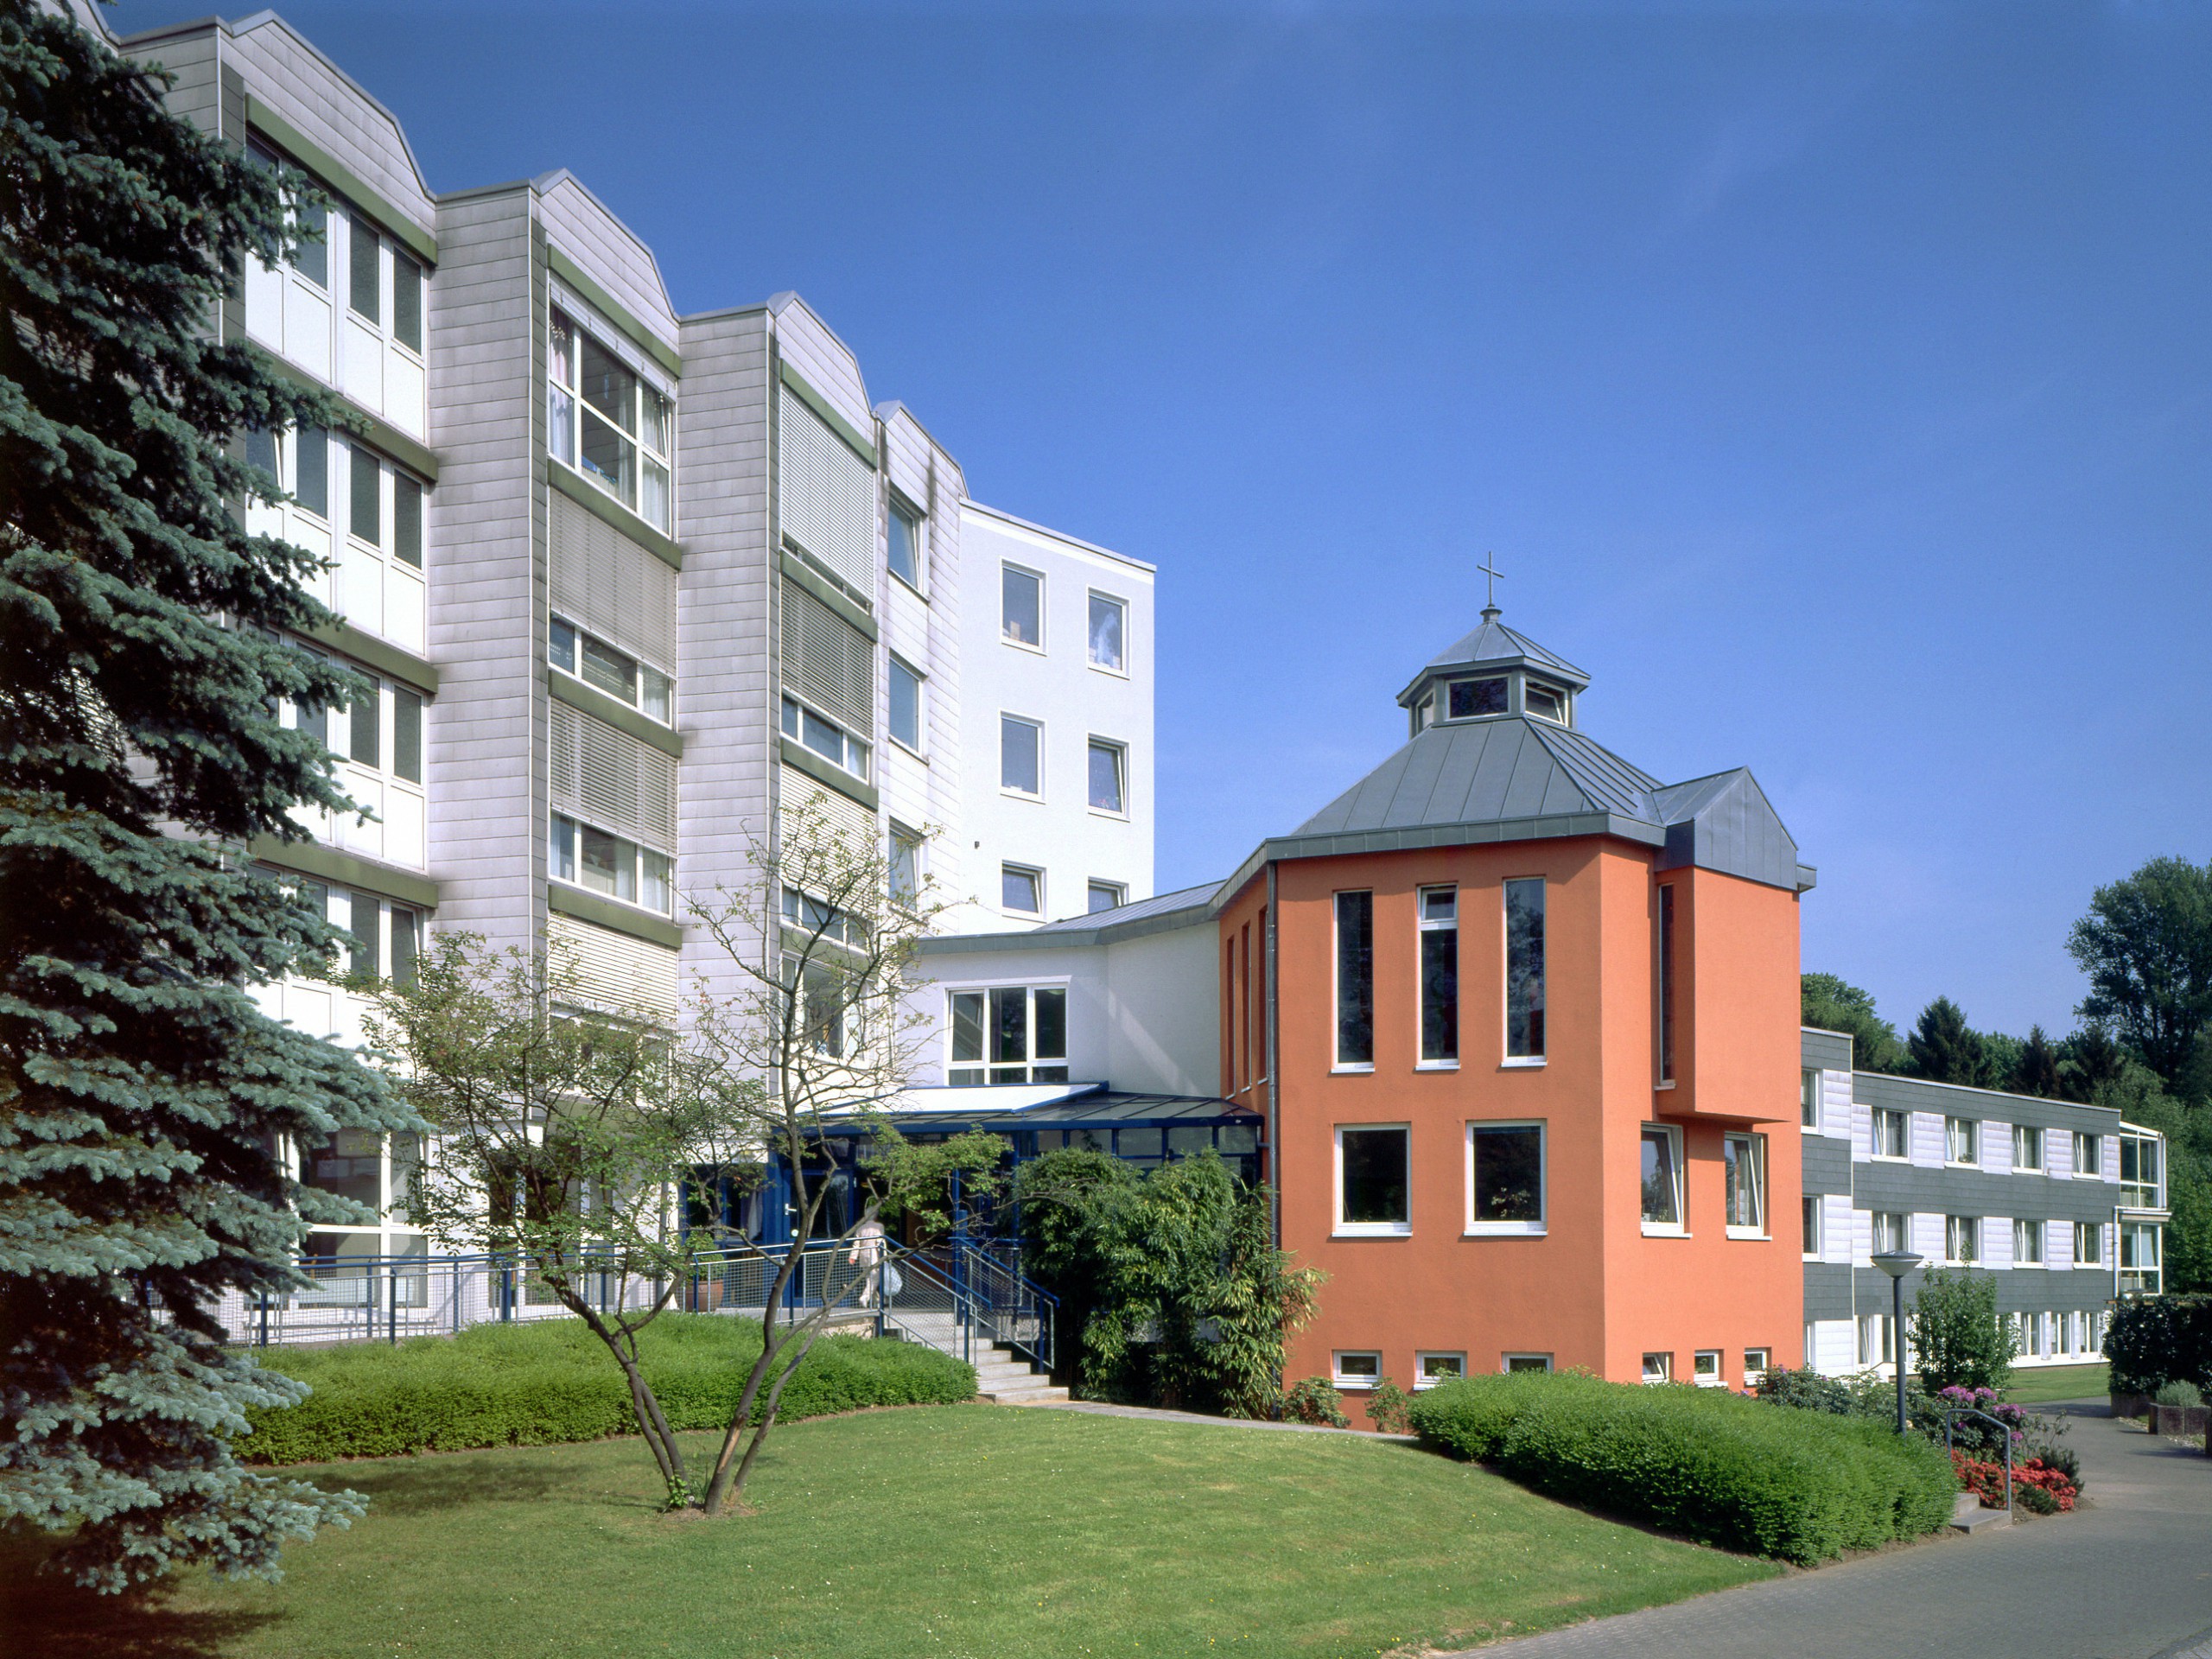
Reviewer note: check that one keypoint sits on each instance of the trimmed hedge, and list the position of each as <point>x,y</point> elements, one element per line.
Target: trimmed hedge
<point>2154,1340</point>
<point>1717,1467</point>
<point>551,1380</point>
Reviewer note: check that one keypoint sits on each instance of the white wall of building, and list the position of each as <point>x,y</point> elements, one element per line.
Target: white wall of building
<point>1056,685</point>
<point>1142,1012</point>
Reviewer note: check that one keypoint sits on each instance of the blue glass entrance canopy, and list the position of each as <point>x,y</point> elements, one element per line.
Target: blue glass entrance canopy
<point>1040,1117</point>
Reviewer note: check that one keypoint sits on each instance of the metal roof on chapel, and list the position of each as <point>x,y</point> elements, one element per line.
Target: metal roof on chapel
<point>1520,777</point>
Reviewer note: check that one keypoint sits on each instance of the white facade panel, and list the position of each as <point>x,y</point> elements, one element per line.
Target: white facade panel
<point>1073,702</point>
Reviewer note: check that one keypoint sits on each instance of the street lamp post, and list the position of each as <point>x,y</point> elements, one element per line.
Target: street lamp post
<point>1896,1264</point>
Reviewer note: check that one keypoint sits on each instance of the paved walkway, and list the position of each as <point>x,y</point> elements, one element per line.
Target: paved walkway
<point>2130,1578</point>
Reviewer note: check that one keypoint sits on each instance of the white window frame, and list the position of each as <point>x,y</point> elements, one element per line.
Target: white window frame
<point>1120,890</point>
<point>637,701</point>
<point>1718,1379</point>
<point>1663,1371</point>
<point>1505,1362</point>
<point>1343,1379</point>
<point>1037,726</point>
<point>557,313</point>
<point>1119,751</point>
<point>1875,1340</point>
<point>1425,923</point>
<point>2095,1169</point>
<point>1032,1061</point>
<point>1954,1228</point>
<point>2029,1230</point>
<point>1814,1213</point>
<point>899,507</point>
<point>1756,1150</point>
<point>1044,633</point>
<point>1343,1228</point>
<point>913,843</point>
<point>1904,1241</point>
<point>1004,865</point>
<point>378,784</point>
<point>1972,1137</point>
<point>1510,1060</point>
<point>1758,1361</point>
<point>2094,1230</point>
<point>1423,1379</point>
<point>2020,1131</point>
<point>1469,1227</point>
<point>919,747</point>
<point>636,852</point>
<point>866,749</point>
<point>1099,596</point>
<point>1338,1064</point>
<point>1808,1101</point>
<point>1679,1227</point>
<point>1877,1117</point>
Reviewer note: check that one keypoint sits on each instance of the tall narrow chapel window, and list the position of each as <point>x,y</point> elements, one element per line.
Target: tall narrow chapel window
<point>1524,969</point>
<point>1355,979</point>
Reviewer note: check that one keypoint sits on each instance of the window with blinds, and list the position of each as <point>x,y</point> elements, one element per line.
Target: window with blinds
<point>609,584</point>
<point>827,661</point>
<point>611,778</point>
<point>826,495</point>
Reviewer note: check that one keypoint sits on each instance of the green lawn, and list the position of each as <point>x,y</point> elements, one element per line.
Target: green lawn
<point>2058,1383</point>
<point>941,1531</point>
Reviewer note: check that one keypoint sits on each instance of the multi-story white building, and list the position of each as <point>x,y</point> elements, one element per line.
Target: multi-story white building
<point>630,584</point>
<point>1057,769</point>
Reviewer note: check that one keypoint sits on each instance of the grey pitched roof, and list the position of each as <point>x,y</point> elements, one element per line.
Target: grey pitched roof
<point>1520,778</point>
<point>1492,645</point>
<point>1490,770</point>
<point>1160,913</point>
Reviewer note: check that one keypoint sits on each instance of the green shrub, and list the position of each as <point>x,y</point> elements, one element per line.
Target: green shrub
<point>1315,1400</point>
<point>1388,1406</point>
<point>2159,1339</point>
<point>551,1381</point>
<point>1963,1341</point>
<point>2178,1394</point>
<point>1801,1485</point>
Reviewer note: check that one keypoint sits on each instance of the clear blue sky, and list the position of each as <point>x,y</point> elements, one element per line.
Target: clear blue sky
<point>1832,382</point>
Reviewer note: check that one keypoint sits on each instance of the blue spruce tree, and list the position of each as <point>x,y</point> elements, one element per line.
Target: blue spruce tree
<point>143,1096</point>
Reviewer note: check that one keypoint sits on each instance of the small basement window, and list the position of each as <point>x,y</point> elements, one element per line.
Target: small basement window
<point>1433,1369</point>
<point>1659,1368</point>
<point>1704,1368</point>
<point>1358,1371</point>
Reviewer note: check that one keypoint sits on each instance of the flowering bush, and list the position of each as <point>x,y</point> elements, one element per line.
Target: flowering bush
<point>2037,1487</point>
<point>1971,1433</point>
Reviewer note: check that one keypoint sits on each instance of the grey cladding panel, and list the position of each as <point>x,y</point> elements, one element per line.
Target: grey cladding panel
<point>1916,1095</point>
<point>1828,1164</point>
<point>1727,824</point>
<point>1931,1191</point>
<point>1825,1050</point>
<point>1827,1291</point>
<point>2021,1290</point>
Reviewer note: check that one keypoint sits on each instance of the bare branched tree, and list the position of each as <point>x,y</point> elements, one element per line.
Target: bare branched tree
<point>561,1131</point>
<point>823,943</point>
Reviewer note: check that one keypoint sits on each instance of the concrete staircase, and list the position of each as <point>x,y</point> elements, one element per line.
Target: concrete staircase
<point>1001,1376</point>
<point>1968,1515</point>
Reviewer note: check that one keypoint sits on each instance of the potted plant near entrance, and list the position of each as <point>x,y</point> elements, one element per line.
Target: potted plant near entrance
<point>2178,1410</point>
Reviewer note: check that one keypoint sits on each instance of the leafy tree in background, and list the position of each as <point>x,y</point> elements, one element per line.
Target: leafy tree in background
<point>142,1095</point>
<point>1943,1048</point>
<point>2035,1070</point>
<point>2088,1061</point>
<point>1833,1004</point>
<point>2146,947</point>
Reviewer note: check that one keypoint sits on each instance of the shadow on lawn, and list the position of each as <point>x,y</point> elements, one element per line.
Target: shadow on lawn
<point>45,1614</point>
<point>425,1484</point>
